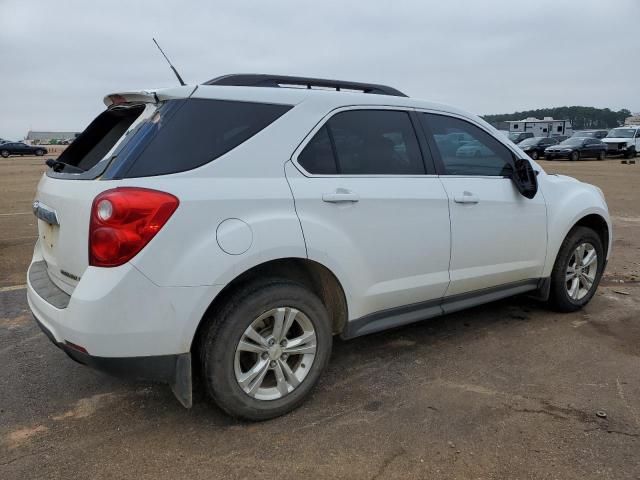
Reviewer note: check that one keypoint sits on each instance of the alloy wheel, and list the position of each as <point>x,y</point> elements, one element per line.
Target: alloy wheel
<point>581,271</point>
<point>275,353</point>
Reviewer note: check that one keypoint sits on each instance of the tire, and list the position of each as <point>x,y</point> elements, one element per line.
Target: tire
<point>40,153</point>
<point>601,155</point>
<point>561,298</point>
<point>534,155</point>
<point>574,156</point>
<point>631,153</point>
<point>223,364</point>
<point>4,153</point>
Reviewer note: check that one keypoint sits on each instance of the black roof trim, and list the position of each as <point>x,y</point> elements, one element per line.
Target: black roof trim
<point>264,80</point>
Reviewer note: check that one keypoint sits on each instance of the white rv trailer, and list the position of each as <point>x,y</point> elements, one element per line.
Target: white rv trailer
<point>547,127</point>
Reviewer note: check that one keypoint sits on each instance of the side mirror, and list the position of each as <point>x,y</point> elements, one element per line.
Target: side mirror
<point>525,178</point>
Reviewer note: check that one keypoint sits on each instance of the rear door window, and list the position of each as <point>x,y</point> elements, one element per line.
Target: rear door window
<point>317,157</point>
<point>364,142</point>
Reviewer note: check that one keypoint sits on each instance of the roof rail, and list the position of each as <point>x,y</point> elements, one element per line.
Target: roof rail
<point>263,80</point>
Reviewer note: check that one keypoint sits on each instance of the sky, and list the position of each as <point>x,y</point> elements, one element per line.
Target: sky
<point>59,58</point>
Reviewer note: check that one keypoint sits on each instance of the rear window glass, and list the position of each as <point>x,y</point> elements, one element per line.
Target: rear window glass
<point>100,137</point>
<point>185,134</point>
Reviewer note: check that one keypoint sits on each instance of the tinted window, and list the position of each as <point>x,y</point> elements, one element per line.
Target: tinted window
<point>365,142</point>
<point>317,157</point>
<point>185,134</point>
<point>482,155</point>
<point>375,142</point>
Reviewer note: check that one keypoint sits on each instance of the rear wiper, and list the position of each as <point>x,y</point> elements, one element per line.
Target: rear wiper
<point>58,166</point>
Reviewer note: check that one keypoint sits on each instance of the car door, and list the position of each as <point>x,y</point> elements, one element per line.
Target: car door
<point>19,148</point>
<point>591,147</point>
<point>498,237</point>
<point>372,209</point>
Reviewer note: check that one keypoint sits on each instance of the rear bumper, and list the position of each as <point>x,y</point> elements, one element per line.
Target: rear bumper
<point>118,321</point>
<point>118,312</point>
<point>174,370</point>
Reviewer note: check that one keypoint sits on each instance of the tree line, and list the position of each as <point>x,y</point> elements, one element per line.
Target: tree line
<point>580,117</point>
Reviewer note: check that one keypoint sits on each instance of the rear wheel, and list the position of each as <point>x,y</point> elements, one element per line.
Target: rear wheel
<point>574,156</point>
<point>4,153</point>
<point>577,271</point>
<point>534,155</point>
<point>265,350</point>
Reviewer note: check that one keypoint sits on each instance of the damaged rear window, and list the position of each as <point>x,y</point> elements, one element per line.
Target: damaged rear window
<point>185,134</point>
<point>98,139</point>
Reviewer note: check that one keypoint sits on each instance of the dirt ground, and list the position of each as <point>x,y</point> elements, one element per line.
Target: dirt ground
<point>508,390</point>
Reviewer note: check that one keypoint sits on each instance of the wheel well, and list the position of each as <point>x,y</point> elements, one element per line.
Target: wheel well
<point>316,277</point>
<point>597,224</point>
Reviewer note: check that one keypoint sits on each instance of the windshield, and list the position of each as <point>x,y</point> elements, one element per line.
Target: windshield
<point>621,133</point>
<point>514,136</point>
<point>529,141</point>
<point>572,142</point>
<point>583,134</point>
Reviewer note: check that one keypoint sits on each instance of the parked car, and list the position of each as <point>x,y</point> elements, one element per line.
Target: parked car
<point>20,148</point>
<point>600,134</point>
<point>474,149</point>
<point>517,137</point>
<point>534,147</point>
<point>242,224</point>
<point>623,141</point>
<point>575,148</point>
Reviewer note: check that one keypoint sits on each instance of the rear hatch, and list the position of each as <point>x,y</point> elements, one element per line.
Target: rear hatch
<point>141,134</point>
<point>66,191</point>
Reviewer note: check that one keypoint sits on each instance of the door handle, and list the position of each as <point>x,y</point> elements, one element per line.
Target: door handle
<point>339,196</point>
<point>466,197</point>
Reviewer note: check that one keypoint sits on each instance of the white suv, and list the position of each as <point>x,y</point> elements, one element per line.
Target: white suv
<point>232,228</point>
<point>623,141</point>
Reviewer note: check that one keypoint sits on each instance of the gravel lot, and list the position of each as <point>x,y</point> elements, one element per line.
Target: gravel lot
<point>507,390</point>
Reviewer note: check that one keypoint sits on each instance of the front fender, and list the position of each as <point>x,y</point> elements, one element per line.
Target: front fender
<point>569,201</point>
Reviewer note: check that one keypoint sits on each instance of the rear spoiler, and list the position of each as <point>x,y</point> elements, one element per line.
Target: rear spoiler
<point>148,96</point>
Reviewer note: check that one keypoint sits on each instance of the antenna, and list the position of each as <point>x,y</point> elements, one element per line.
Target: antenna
<point>169,62</point>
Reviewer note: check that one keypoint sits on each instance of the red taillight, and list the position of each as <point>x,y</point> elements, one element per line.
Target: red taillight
<point>124,220</point>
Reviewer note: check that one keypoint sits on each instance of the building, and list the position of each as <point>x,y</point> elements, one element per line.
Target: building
<point>547,127</point>
<point>44,138</point>
<point>633,119</point>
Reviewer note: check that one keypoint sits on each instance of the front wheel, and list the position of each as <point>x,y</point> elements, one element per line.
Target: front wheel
<point>601,155</point>
<point>534,155</point>
<point>631,153</point>
<point>40,153</point>
<point>264,351</point>
<point>577,271</point>
<point>574,156</point>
